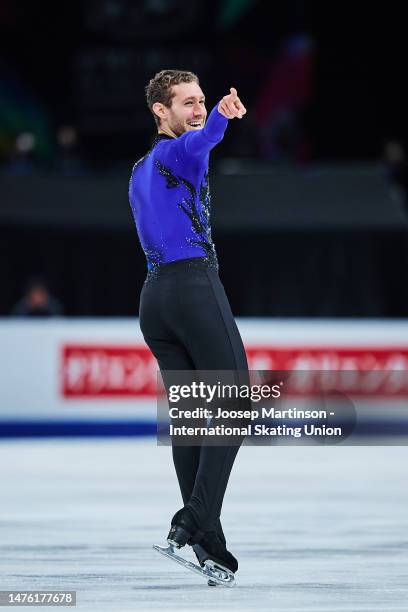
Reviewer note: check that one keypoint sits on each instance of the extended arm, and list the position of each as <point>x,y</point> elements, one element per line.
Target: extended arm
<point>198,143</point>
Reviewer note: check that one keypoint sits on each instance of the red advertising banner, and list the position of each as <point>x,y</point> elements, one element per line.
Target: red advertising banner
<point>95,371</point>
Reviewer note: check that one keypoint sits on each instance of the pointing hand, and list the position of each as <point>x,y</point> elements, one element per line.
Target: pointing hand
<point>231,106</point>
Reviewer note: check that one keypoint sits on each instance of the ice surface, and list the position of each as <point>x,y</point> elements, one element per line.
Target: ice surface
<point>314,528</point>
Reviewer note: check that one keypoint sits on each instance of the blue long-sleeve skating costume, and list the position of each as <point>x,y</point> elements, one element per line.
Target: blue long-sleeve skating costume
<point>170,197</point>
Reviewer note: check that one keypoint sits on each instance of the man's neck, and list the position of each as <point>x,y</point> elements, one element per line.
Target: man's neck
<point>167,131</point>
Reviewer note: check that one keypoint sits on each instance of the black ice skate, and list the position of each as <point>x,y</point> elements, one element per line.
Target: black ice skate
<point>183,527</point>
<point>213,548</point>
<point>217,565</point>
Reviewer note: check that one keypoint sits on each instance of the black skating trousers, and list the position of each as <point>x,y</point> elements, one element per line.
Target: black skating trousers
<point>186,320</point>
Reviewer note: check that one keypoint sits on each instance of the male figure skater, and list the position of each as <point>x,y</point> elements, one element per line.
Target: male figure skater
<point>185,316</point>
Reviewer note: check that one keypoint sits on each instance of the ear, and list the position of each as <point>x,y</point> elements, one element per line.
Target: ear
<point>159,110</point>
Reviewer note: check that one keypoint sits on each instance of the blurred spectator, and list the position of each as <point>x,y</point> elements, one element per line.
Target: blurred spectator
<point>279,138</point>
<point>68,160</point>
<point>25,136</point>
<point>22,160</point>
<point>397,168</point>
<point>37,301</point>
<point>285,92</point>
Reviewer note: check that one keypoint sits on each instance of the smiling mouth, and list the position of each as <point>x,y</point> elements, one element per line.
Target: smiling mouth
<point>195,124</point>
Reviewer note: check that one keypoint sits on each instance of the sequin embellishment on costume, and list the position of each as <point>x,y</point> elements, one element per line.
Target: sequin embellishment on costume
<point>197,209</point>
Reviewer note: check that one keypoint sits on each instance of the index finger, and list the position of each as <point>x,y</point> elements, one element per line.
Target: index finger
<point>234,92</point>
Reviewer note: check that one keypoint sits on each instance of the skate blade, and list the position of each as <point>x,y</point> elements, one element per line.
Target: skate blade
<point>219,574</point>
<point>214,573</point>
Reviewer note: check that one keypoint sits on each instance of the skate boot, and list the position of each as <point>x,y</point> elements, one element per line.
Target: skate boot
<point>212,549</point>
<point>183,527</point>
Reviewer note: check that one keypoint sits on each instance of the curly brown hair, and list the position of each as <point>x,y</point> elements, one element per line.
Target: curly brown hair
<point>159,87</point>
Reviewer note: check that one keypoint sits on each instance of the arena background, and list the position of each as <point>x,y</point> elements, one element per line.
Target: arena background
<point>310,220</point>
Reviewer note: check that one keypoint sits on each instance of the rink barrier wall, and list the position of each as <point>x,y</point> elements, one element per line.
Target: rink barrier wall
<point>85,377</point>
<point>123,429</point>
